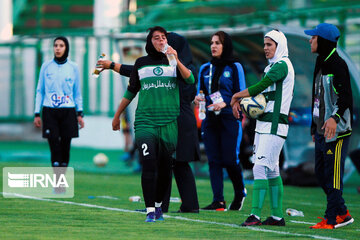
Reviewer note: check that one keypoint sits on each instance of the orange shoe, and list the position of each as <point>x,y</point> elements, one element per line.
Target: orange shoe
<point>326,226</point>
<point>320,224</point>
<point>340,218</point>
<point>343,220</point>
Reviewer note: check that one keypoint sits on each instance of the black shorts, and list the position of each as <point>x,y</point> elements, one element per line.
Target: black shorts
<point>59,122</point>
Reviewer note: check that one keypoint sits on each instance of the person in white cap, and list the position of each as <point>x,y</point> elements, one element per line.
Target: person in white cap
<point>331,122</point>
<point>277,85</point>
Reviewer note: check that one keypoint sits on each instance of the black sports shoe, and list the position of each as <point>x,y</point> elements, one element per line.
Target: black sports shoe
<point>216,206</point>
<point>274,222</point>
<point>251,221</point>
<point>237,204</point>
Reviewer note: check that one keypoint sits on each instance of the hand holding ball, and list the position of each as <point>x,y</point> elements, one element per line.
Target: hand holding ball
<point>253,107</point>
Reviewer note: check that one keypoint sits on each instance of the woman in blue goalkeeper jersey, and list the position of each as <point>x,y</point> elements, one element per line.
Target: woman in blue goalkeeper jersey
<point>58,98</point>
<point>221,132</point>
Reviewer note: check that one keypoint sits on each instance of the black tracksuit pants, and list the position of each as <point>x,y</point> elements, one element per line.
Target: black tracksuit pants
<point>185,182</point>
<point>329,169</point>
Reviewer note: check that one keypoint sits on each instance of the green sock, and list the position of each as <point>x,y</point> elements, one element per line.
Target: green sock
<point>276,192</point>
<point>259,194</point>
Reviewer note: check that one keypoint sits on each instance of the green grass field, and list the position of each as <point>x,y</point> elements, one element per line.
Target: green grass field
<point>97,217</point>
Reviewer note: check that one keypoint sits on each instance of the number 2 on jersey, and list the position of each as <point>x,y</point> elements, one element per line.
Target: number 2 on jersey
<point>145,148</point>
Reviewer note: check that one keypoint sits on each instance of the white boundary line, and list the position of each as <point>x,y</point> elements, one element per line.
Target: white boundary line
<point>174,217</point>
<point>324,205</point>
<point>309,223</point>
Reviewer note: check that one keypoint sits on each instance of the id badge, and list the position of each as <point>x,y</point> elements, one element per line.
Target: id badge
<point>216,97</point>
<point>316,107</point>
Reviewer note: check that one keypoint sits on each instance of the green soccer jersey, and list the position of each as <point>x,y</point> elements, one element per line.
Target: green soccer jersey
<point>158,89</point>
<point>277,85</point>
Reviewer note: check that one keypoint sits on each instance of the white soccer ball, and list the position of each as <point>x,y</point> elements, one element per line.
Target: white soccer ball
<point>100,160</point>
<point>253,107</point>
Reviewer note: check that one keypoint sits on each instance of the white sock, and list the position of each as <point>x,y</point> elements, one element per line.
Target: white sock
<point>276,218</point>
<point>150,209</point>
<point>158,204</point>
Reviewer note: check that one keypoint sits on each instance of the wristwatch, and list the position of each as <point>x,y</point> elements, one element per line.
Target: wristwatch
<point>336,118</point>
<point>112,65</point>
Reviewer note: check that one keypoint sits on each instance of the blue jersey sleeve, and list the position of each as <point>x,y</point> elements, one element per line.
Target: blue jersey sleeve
<point>77,91</point>
<point>40,90</point>
<point>238,82</point>
<point>241,77</point>
<point>200,87</point>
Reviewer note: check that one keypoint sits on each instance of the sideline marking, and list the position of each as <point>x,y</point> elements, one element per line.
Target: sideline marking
<point>324,205</point>
<point>174,217</point>
<point>309,223</point>
<point>108,197</point>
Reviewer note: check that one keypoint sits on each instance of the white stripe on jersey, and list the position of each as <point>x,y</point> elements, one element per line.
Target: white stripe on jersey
<point>157,71</point>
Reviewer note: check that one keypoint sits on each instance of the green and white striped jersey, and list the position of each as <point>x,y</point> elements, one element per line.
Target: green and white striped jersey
<point>279,96</point>
<point>156,82</point>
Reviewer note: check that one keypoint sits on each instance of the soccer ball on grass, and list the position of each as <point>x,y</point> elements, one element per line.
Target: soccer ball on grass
<point>100,160</point>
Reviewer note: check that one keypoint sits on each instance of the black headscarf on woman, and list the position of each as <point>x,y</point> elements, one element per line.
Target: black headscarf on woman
<point>324,48</point>
<point>226,58</point>
<point>63,58</point>
<point>180,44</point>
<point>187,91</point>
<point>150,49</point>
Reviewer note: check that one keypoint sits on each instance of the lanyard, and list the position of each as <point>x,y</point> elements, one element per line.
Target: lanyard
<point>210,78</point>
<point>318,83</point>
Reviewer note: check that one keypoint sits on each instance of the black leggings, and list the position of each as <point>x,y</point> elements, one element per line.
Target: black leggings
<point>155,177</point>
<point>60,151</point>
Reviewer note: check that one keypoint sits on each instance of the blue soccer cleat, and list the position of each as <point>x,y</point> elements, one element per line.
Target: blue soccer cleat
<point>150,217</point>
<point>159,214</point>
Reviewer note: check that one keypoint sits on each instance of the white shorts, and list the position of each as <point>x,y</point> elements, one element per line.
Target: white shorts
<point>267,148</point>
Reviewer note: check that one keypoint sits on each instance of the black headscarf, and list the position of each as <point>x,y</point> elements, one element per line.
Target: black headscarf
<point>187,91</point>
<point>150,49</point>
<point>226,58</point>
<point>324,48</point>
<point>180,44</point>
<point>63,58</point>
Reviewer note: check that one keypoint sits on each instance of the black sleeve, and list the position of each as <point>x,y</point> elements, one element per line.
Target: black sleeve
<point>313,126</point>
<point>343,88</point>
<point>134,82</point>
<point>126,70</point>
